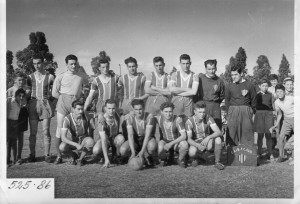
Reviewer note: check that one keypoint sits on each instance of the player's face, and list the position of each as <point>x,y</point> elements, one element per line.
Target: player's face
<point>78,110</point>
<point>236,77</point>
<point>38,64</point>
<point>19,97</point>
<point>72,66</point>
<point>224,114</point>
<point>138,111</point>
<point>264,87</point>
<point>110,109</point>
<point>274,82</point>
<point>211,70</point>
<point>167,113</point>
<point>185,65</point>
<point>280,93</point>
<point>85,92</point>
<point>104,68</point>
<point>132,68</point>
<point>19,81</point>
<point>159,67</point>
<point>289,86</point>
<point>200,113</point>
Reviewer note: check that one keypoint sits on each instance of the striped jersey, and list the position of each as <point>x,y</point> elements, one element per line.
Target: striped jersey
<point>110,126</point>
<point>77,130</point>
<point>158,81</point>
<point>106,89</point>
<point>40,88</point>
<point>132,86</point>
<point>139,127</point>
<point>199,129</point>
<point>184,82</point>
<point>170,130</point>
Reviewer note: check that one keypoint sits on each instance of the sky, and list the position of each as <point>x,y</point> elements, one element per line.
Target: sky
<point>204,29</point>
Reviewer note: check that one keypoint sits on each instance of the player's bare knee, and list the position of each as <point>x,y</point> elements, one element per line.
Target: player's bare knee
<point>184,145</point>
<point>152,145</point>
<point>119,139</point>
<point>192,151</point>
<point>89,143</point>
<point>63,147</point>
<point>218,140</point>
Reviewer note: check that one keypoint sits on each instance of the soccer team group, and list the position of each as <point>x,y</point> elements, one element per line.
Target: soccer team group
<point>154,117</point>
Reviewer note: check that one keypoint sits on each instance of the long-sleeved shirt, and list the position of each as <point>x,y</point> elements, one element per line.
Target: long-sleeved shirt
<point>264,101</point>
<point>69,83</point>
<point>238,94</point>
<point>211,89</point>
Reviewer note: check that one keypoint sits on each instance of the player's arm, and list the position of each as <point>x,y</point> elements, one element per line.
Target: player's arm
<point>161,91</point>
<point>194,89</point>
<point>278,119</point>
<point>172,85</point>
<point>104,141</point>
<point>64,138</point>
<point>130,137</point>
<point>148,131</point>
<point>56,87</point>
<point>151,89</point>
<point>89,99</point>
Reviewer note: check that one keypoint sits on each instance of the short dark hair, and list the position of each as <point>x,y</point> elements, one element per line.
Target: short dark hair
<point>38,56</point>
<point>158,59</point>
<point>273,77</point>
<point>236,68</point>
<point>78,102</point>
<point>20,91</point>
<point>223,108</point>
<point>184,57</point>
<point>110,101</point>
<point>167,105</point>
<point>129,60</point>
<point>279,86</point>
<point>71,57</point>
<point>210,61</point>
<point>262,81</point>
<point>19,74</point>
<point>199,105</point>
<point>137,102</point>
<point>103,61</point>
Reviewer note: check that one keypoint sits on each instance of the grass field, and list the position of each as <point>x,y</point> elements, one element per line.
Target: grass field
<point>269,180</point>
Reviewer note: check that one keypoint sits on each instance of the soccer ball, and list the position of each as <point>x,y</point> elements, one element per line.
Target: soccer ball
<point>136,163</point>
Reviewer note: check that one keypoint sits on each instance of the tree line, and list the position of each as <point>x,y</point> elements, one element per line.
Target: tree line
<point>37,44</point>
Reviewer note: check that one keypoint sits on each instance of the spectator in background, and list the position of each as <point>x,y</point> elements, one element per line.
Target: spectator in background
<point>274,81</point>
<point>17,123</point>
<point>263,119</point>
<point>289,86</point>
<point>19,82</point>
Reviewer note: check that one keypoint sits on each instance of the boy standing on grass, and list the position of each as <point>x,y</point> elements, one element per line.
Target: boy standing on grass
<point>263,119</point>
<point>17,123</point>
<point>284,107</point>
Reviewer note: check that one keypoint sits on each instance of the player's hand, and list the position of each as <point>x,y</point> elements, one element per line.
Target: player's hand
<point>132,156</point>
<point>204,142</point>
<point>106,164</point>
<point>167,146</point>
<point>140,154</point>
<point>101,119</point>
<point>271,129</point>
<point>78,147</point>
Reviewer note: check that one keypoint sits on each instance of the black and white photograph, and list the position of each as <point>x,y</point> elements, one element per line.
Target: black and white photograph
<point>136,101</point>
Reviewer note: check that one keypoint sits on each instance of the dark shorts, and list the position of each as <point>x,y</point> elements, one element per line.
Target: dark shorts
<point>213,109</point>
<point>263,121</point>
<point>12,129</point>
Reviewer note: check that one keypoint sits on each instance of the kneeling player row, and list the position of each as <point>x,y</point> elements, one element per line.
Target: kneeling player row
<point>190,136</point>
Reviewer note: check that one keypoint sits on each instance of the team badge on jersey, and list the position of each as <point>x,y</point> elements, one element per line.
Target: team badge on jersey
<point>215,87</point>
<point>244,92</point>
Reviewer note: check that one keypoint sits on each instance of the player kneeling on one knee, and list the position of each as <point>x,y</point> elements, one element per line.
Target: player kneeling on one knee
<point>109,124</point>
<point>173,136</point>
<point>141,130</point>
<point>203,134</point>
<point>81,129</point>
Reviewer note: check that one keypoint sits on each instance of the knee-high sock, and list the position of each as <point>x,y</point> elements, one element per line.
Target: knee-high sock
<point>218,152</point>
